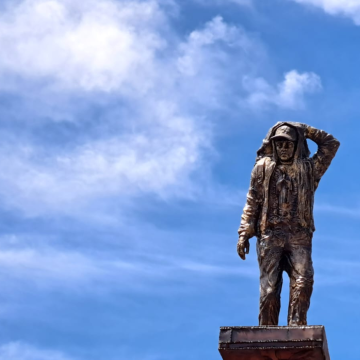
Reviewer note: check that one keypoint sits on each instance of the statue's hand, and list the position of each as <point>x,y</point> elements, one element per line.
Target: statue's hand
<point>243,247</point>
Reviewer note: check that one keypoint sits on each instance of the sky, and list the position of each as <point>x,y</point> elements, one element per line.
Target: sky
<point>128,132</point>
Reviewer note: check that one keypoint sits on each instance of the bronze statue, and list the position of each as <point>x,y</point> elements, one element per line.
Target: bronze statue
<point>279,212</point>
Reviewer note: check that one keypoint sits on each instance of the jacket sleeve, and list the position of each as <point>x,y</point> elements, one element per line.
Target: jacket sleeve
<point>254,201</point>
<point>327,148</point>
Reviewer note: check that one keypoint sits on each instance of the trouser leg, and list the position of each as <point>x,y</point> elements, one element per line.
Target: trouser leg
<point>269,258</point>
<point>301,275</point>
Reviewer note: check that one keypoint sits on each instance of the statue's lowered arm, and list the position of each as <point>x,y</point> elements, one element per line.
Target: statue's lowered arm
<point>251,212</point>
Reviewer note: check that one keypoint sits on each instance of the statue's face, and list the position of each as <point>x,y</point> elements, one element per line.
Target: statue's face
<point>285,149</point>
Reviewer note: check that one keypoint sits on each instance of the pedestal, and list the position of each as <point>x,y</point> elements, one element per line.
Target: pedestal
<point>273,343</point>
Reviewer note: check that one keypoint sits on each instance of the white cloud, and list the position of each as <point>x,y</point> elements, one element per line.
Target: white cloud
<point>92,45</point>
<point>247,3</point>
<point>287,94</point>
<point>241,2</point>
<point>22,351</point>
<point>99,46</point>
<point>348,8</point>
<point>126,165</point>
<point>168,87</point>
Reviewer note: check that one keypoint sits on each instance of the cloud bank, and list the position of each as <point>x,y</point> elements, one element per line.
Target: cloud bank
<point>139,99</point>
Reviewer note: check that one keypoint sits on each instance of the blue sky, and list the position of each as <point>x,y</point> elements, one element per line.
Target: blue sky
<point>128,133</point>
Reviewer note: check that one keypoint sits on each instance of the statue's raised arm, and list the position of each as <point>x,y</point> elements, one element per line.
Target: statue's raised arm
<point>327,148</point>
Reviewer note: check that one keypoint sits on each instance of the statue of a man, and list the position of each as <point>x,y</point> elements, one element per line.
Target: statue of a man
<point>279,212</point>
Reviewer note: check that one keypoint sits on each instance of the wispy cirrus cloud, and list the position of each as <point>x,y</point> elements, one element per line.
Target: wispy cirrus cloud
<point>247,3</point>
<point>127,270</point>
<point>22,351</point>
<point>345,8</point>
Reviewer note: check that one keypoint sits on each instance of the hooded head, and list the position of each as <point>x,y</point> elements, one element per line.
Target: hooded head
<point>285,138</point>
<point>285,141</point>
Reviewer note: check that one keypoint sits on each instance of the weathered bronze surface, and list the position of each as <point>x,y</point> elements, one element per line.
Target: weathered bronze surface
<point>273,343</point>
<point>279,212</point>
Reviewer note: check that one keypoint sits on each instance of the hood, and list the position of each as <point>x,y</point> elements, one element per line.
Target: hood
<point>268,149</point>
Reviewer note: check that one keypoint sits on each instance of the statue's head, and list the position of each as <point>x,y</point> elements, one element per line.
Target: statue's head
<point>285,131</point>
<point>285,140</point>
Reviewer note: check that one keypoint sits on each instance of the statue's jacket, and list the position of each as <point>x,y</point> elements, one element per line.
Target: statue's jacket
<point>308,172</point>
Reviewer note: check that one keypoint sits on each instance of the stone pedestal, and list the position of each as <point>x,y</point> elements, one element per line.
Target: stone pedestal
<point>273,343</point>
